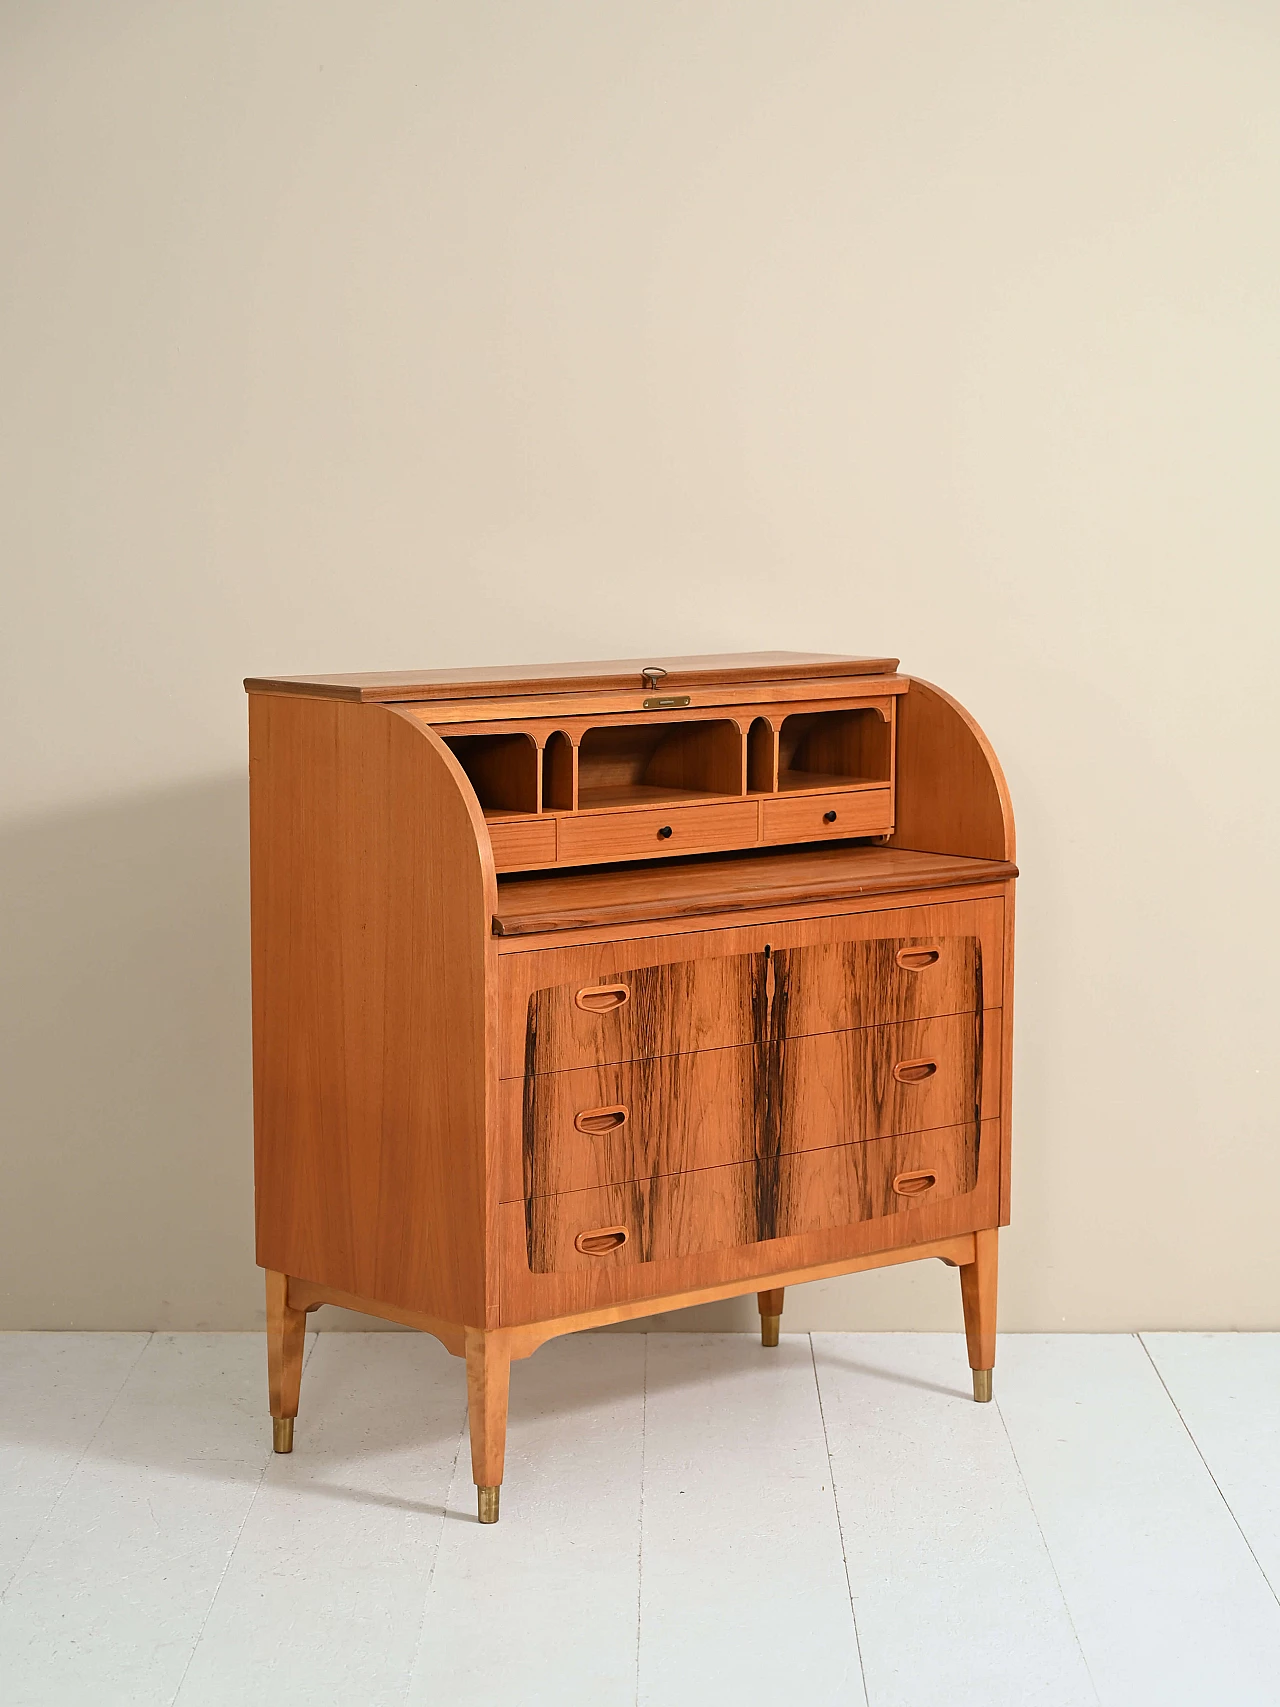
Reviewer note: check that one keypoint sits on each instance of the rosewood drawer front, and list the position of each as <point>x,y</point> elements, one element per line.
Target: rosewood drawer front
<point>811,1191</point>
<point>630,1120</point>
<point>609,1015</point>
<point>841,1087</point>
<point>603,1125</point>
<point>839,986</point>
<point>659,830</point>
<point>807,817</point>
<point>565,1008</point>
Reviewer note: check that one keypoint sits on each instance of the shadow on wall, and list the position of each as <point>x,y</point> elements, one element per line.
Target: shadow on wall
<point>125,1072</point>
<point>126,1149</point>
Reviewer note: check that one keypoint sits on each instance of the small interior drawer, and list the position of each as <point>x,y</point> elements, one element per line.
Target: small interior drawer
<point>677,1215</point>
<point>523,842</point>
<point>809,817</point>
<point>590,836</point>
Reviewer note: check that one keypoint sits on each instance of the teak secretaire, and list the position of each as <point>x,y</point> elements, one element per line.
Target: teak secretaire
<point>591,990</point>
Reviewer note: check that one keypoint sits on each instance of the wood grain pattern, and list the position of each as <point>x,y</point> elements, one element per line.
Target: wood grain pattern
<point>310,1295</point>
<point>773,922</point>
<point>592,703</point>
<point>286,1344</point>
<point>693,1110</point>
<point>522,842</point>
<point>718,1209</point>
<point>815,749</point>
<point>675,757</point>
<point>840,1086</point>
<point>952,797</point>
<point>707,1109</point>
<point>559,773</point>
<point>671,1008</point>
<point>488,1387</point>
<point>529,1297</point>
<point>1006,1067</point>
<point>525,1337</point>
<point>812,1079</point>
<point>643,727</point>
<point>804,817</point>
<point>682,672</point>
<point>501,768</point>
<point>816,877</point>
<point>872,980</point>
<point>372,891</point>
<point>762,756</point>
<point>671,755</point>
<point>703,990</point>
<point>978,1296</point>
<point>640,835</point>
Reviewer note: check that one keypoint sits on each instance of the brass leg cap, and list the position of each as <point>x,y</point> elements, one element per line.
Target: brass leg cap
<point>769,1326</point>
<point>282,1433</point>
<point>982,1386</point>
<point>487,1504</point>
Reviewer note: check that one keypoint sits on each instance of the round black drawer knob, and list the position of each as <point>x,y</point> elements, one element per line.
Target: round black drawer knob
<point>664,833</point>
<point>828,817</point>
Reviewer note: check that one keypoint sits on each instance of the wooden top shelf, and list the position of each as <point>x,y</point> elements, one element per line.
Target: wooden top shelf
<point>581,900</point>
<point>721,668</point>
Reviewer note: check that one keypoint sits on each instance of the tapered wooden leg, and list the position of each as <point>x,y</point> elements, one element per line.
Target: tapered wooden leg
<point>488,1382</point>
<point>770,1315</point>
<point>286,1341</point>
<point>978,1295</point>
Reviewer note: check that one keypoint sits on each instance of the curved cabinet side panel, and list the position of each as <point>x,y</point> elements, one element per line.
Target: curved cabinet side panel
<point>951,794</point>
<point>372,896</point>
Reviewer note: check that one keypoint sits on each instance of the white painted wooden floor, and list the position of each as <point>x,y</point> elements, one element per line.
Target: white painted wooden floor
<point>686,1519</point>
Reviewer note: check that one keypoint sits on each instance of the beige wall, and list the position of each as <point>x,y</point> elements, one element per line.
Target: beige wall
<point>351,335</point>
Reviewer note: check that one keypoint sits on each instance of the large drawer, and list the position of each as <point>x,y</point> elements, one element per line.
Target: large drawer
<point>598,1126</point>
<point>602,1125</point>
<point>714,1209</point>
<point>841,1087</point>
<point>648,996</point>
<point>609,1014</point>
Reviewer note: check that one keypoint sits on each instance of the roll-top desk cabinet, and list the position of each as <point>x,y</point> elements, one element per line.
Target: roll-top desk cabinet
<point>592,990</point>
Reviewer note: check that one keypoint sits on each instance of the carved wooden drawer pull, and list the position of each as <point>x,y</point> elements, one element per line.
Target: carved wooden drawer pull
<point>915,1185</point>
<point>914,1072</point>
<point>600,1241</point>
<point>595,1122</point>
<point>603,998</point>
<point>918,959</point>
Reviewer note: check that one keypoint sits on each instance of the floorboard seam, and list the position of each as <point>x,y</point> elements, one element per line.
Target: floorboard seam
<point>307,1350</point>
<point>844,1555</point>
<point>412,1671</point>
<point>1200,1455</point>
<point>222,1577</point>
<point>1048,1553</point>
<point>71,1474</point>
<point>644,1418</point>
